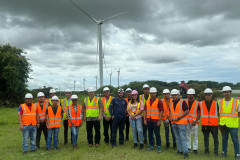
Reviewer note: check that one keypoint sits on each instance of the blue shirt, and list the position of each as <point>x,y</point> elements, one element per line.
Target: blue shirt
<point>118,107</point>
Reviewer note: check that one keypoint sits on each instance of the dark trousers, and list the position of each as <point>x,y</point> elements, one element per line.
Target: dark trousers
<point>152,127</point>
<point>214,131</point>
<point>167,134</point>
<point>106,126</point>
<point>118,122</point>
<point>42,128</point>
<point>89,127</point>
<point>145,128</point>
<point>65,125</point>
<point>127,127</point>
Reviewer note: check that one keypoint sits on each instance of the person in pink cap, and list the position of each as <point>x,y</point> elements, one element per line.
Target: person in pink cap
<point>135,109</point>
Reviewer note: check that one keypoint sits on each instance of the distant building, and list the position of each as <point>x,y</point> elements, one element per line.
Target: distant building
<point>183,89</point>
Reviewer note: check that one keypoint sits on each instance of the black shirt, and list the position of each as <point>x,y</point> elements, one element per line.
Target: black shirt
<point>184,105</point>
<point>190,105</point>
<point>209,104</point>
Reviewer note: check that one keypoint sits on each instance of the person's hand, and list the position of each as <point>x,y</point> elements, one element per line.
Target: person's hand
<point>194,123</point>
<point>145,122</point>
<point>71,123</point>
<point>49,127</point>
<point>99,118</point>
<point>21,128</point>
<point>112,117</point>
<point>159,123</point>
<point>80,124</point>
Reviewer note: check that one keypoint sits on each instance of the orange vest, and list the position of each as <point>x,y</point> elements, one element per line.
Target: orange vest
<point>152,110</point>
<point>55,120</point>
<point>42,112</point>
<point>126,110</point>
<point>29,117</point>
<point>165,109</point>
<point>178,112</point>
<point>209,118</point>
<point>75,118</point>
<point>192,115</point>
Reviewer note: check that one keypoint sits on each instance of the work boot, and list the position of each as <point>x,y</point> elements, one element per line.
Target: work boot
<point>141,146</point>
<point>174,146</point>
<point>195,152</point>
<point>237,157</point>
<point>206,151</point>
<point>150,148</point>
<point>159,149</point>
<point>167,145</point>
<point>90,145</point>
<point>135,145</point>
<point>185,155</point>
<point>97,145</point>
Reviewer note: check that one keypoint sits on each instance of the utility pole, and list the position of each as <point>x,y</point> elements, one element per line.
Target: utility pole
<point>118,76</point>
<point>84,83</point>
<point>59,90</point>
<point>96,82</point>
<point>110,78</point>
<point>74,85</point>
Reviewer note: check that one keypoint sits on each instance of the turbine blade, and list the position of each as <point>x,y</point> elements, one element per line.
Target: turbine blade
<point>113,16</point>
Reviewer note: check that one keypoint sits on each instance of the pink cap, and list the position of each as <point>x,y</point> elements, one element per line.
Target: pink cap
<point>134,92</point>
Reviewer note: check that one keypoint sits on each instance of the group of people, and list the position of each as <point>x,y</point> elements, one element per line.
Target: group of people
<point>145,113</point>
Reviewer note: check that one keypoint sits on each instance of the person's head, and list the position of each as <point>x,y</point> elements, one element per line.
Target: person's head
<point>166,94</point>
<point>135,96</point>
<point>120,93</point>
<point>208,93</point>
<point>146,89</point>
<point>153,92</point>
<point>227,91</point>
<point>175,94</point>
<point>190,94</point>
<point>74,99</point>
<point>91,92</point>
<point>55,101</point>
<point>41,97</point>
<point>52,92</point>
<point>68,93</point>
<point>106,92</point>
<point>28,98</point>
<point>129,93</point>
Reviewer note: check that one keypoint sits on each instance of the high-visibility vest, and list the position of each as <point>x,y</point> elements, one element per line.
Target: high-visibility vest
<point>42,112</point>
<point>137,110</point>
<point>177,112</point>
<point>165,109</point>
<point>29,117</point>
<point>192,115</point>
<point>65,106</point>
<point>76,119</point>
<point>55,120</point>
<point>50,101</point>
<point>209,118</point>
<point>229,114</point>
<point>142,98</point>
<point>106,105</point>
<point>92,108</point>
<point>152,110</point>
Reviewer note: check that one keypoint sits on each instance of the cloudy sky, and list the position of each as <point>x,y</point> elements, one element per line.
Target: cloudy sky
<point>155,40</point>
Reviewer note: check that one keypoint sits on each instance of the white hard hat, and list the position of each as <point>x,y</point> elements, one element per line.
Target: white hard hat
<point>166,91</point>
<point>128,89</point>
<point>106,89</point>
<point>91,89</point>
<point>54,98</point>
<point>120,90</point>
<point>74,96</point>
<point>191,91</point>
<point>29,95</point>
<point>145,86</point>
<point>68,91</point>
<point>208,90</point>
<point>52,91</point>
<point>40,94</point>
<point>226,88</point>
<point>175,91</point>
<point>153,90</point>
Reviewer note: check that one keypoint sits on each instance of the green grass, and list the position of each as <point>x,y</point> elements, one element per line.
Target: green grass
<point>11,145</point>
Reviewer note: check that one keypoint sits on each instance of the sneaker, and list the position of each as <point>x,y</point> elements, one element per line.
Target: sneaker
<point>150,148</point>
<point>189,150</point>
<point>159,149</point>
<point>135,145</point>
<point>206,152</point>
<point>174,146</point>
<point>195,152</point>
<point>185,155</point>
<point>224,155</point>
<point>167,145</point>
<point>180,153</point>
<point>237,157</point>
<point>141,146</point>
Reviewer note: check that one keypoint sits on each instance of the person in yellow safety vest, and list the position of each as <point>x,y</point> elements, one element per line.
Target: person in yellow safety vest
<point>193,120</point>
<point>65,103</point>
<point>52,93</point>
<point>107,120</point>
<point>166,107</point>
<point>144,97</point>
<point>229,110</point>
<point>92,109</point>
<point>128,98</point>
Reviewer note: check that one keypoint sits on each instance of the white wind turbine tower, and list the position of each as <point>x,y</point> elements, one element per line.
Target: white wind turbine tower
<point>99,23</point>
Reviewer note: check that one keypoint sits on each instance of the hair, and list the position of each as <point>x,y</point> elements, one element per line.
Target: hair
<point>132,100</point>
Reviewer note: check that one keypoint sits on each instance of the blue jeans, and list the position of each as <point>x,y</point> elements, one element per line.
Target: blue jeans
<point>234,135</point>
<point>54,132</point>
<point>136,126</point>
<point>29,131</point>
<point>144,130</point>
<point>180,133</point>
<point>152,127</point>
<point>167,134</point>
<point>74,131</point>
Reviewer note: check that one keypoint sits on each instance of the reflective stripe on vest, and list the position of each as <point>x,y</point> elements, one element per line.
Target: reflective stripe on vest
<point>137,110</point>
<point>92,108</point>
<point>153,110</point>
<point>29,117</point>
<point>42,112</point>
<point>209,118</point>
<point>55,120</point>
<point>165,109</point>
<point>76,119</point>
<point>175,114</point>
<point>192,115</point>
<point>106,105</point>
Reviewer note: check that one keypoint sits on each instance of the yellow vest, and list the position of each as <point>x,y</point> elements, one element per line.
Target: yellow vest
<point>106,105</point>
<point>92,108</point>
<point>64,107</point>
<point>137,110</point>
<point>142,98</point>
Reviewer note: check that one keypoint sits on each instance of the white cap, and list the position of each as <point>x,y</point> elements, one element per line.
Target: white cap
<point>54,98</point>
<point>226,88</point>
<point>153,90</point>
<point>29,95</point>
<point>68,91</point>
<point>40,94</point>
<point>208,90</point>
<point>52,91</point>
<point>91,89</point>
<point>74,96</point>
<point>128,89</point>
<point>191,91</point>
<point>106,89</point>
<point>175,91</point>
<point>145,86</point>
<point>166,91</point>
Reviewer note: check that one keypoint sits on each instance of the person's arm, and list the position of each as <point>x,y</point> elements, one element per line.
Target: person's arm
<point>145,115</point>
<point>47,119</point>
<point>100,104</point>
<point>20,118</point>
<point>160,106</point>
<point>84,112</point>
<point>111,108</point>
<point>238,109</point>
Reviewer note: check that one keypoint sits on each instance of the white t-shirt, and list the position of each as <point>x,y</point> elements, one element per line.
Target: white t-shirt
<point>227,103</point>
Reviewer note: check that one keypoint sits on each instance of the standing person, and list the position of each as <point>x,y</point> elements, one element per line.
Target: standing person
<point>54,115</point>
<point>135,109</point>
<point>153,112</point>
<point>229,120</point>
<point>28,119</point>
<point>92,109</point>
<point>128,98</point>
<point>118,113</point>
<point>107,120</point>
<point>209,120</point>
<point>42,106</point>
<point>74,115</point>
<point>52,93</point>
<point>65,103</point>
<point>165,118</point>
<point>144,97</point>
<point>178,117</point>
<point>193,120</point>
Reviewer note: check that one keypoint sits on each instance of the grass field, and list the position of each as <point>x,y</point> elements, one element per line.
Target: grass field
<point>11,145</point>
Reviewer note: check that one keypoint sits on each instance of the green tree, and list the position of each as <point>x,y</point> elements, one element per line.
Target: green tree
<point>14,70</point>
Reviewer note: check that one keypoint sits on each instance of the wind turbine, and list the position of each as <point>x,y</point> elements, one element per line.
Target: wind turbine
<point>99,24</point>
